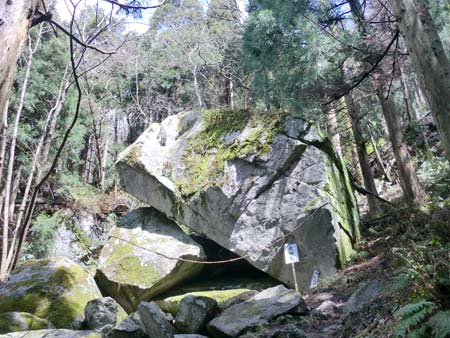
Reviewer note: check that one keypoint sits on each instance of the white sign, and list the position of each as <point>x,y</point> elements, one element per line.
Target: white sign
<point>291,254</point>
<point>314,279</point>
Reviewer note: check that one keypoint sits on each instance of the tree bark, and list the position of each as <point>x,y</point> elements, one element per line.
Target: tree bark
<point>429,58</point>
<point>333,129</point>
<point>411,186</point>
<point>15,17</point>
<point>369,180</point>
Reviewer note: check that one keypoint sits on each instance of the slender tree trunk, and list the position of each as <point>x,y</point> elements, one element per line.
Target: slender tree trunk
<point>411,186</point>
<point>429,58</point>
<point>349,146</point>
<point>8,194</point>
<point>196,87</point>
<point>333,129</point>
<point>410,111</point>
<point>378,156</point>
<point>15,17</point>
<point>369,180</point>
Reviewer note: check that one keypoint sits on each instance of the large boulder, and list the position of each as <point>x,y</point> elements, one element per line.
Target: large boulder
<point>144,257</point>
<point>53,289</point>
<point>250,184</point>
<point>22,321</point>
<point>258,310</point>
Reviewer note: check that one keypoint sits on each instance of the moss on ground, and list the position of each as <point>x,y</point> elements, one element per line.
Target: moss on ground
<point>206,152</point>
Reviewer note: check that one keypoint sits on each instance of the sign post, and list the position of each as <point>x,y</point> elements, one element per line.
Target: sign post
<point>291,257</point>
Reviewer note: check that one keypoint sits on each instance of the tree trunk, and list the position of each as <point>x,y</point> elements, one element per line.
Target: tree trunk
<point>429,59</point>
<point>333,129</point>
<point>15,17</point>
<point>9,191</point>
<point>411,186</point>
<point>369,180</point>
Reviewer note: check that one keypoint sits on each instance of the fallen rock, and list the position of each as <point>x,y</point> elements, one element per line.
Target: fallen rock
<point>364,294</point>
<point>103,314</point>
<point>154,322</point>
<point>224,298</point>
<point>22,321</point>
<point>255,311</point>
<point>242,297</point>
<point>245,182</point>
<point>129,328</point>
<point>327,310</point>
<point>194,313</point>
<point>134,265</point>
<point>61,333</point>
<point>53,289</point>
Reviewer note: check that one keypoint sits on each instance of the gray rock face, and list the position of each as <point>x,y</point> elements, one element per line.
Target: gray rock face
<point>61,333</point>
<point>103,314</point>
<point>22,321</point>
<point>296,190</point>
<point>255,311</point>
<point>194,313</point>
<point>129,328</point>
<point>140,259</point>
<point>365,294</point>
<point>154,322</point>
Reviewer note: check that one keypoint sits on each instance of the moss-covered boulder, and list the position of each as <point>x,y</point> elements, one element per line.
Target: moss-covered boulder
<point>144,258</point>
<point>61,333</point>
<point>22,321</point>
<point>251,183</point>
<point>53,289</point>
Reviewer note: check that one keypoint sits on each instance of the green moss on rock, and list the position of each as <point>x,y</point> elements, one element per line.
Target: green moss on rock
<point>206,151</point>
<point>58,291</point>
<point>172,304</point>
<point>21,321</point>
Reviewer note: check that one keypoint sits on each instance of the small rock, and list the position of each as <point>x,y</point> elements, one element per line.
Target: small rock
<point>153,321</point>
<point>194,313</point>
<point>257,310</point>
<point>22,321</point>
<point>103,314</point>
<point>129,328</point>
<point>326,310</point>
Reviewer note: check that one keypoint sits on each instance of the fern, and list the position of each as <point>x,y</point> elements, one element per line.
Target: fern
<point>440,324</point>
<point>412,319</point>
